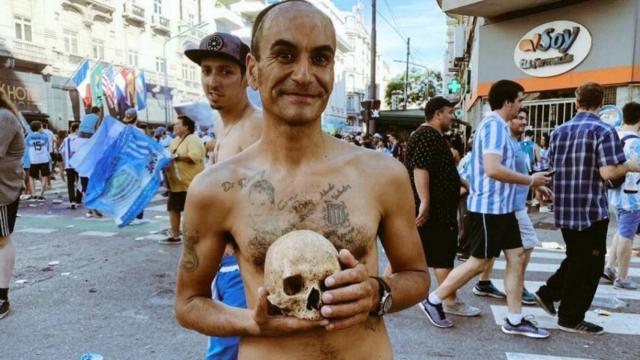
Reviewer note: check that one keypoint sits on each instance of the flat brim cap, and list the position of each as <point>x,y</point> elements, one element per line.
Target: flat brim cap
<point>220,44</point>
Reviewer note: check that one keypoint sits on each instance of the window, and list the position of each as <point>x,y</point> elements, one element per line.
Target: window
<point>70,42</point>
<point>23,28</point>
<point>192,19</point>
<point>185,71</point>
<point>159,64</point>
<point>192,73</point>
<point>157,7</point>
<point>98,48</point>
<point>133,58</point>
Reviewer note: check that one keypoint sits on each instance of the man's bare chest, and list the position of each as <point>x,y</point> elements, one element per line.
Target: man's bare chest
<point>267,209</point>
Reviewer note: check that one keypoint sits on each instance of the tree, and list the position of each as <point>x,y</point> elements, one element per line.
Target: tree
<point>423,84</point>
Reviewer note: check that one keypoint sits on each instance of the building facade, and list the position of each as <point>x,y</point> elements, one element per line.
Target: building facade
<point>550,47</point>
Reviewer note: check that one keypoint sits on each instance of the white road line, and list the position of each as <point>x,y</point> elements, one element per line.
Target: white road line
<point>603,290</point>
<point>522,356</point>
<point>162,208</point>
<point>550,268</point>
<point>616,323</point>
<point>561,255</point>
<point>98,233</point>
<point>36,230</point>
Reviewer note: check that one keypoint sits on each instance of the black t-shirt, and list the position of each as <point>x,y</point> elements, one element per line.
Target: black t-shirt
<point>428,150</point>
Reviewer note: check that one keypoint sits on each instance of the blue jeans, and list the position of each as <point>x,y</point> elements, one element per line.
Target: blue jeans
<point>228,288</point>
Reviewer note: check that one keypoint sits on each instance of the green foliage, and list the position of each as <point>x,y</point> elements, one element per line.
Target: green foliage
<point>422,85</point>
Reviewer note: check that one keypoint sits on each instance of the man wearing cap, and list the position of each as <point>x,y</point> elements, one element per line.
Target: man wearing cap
<point>436,188</point>
<point>297,177</point>
<point>222,57</point>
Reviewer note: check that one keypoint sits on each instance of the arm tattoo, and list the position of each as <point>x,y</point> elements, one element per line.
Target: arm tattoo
<point>189,260</point>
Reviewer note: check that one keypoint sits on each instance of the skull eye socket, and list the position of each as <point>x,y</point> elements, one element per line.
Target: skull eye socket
<point>293,284</point>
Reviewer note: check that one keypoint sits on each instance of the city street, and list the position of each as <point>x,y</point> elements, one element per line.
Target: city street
<point>84,285</point>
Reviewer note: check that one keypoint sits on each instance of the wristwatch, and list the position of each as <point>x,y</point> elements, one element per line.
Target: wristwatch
<point>385,297</point>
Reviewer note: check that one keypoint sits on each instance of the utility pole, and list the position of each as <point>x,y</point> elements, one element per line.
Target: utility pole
<point>406,75</point>
<point>372,90</point>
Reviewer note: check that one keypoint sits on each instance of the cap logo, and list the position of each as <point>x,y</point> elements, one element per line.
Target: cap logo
<point>215,43</point>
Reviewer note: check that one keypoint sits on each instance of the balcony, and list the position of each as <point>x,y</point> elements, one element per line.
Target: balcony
<point>489,8</point>
<point>26,50</point>
<point>133,13</point>
<point>105,6</point>
<point>248,8</point>
<point>226,19</point>
<point>160,24</point>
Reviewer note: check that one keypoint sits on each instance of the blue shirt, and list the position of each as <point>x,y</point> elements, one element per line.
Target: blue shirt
<point>527,147</point>
<point>578,148</point>
<point>487,195</point>
<point>88,123</point>
<point>38,148</point>
<point>620,199</point>
<point>522,166</point>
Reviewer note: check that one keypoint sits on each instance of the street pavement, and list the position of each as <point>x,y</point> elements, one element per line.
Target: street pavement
<point>84,285</point>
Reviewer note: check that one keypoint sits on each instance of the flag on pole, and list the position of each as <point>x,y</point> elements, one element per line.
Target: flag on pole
<point>131,88</point>
<point>108,87</point>
<point>96,84</point>
<point>121,88</point>
<point>141,90</point>
<point>82,81</point>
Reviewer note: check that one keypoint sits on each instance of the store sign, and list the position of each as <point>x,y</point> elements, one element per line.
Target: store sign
<point>552,48</point>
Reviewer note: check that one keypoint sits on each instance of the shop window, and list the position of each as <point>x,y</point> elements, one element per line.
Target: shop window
<point>98,48</point>
<point>70,42</point>
<point>610,95</point>
<point>23,28</point>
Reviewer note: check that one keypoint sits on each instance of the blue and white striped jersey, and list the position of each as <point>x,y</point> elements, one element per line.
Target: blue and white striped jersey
<point>489,196</point>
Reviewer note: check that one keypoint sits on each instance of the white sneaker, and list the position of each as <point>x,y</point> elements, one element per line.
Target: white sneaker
<point>625,284</point>
<point>461,309</point>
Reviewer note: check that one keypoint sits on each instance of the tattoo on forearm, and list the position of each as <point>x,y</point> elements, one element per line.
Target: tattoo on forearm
<point>189,260</point>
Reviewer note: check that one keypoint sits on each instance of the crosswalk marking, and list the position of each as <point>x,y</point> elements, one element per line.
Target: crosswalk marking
<point>162,208</point>
<point>36,230</point>
<point>523,356</point>
<point>561,255</point>
<point>550,268</point>
<point>603,290</point>
<point>615,323</point>
<point>98,233</point>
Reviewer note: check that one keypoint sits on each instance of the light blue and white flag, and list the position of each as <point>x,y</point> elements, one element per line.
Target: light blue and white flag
<point>88,154</point>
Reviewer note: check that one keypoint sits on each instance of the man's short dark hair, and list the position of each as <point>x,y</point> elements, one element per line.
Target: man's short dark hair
<point>589,95</point>
<point>435,104</point>
<point>256,31</point>
<point>524,110</point>
<point>503,91</point>
<point>74,126</point>
<point>631,113</point>
<point>95,110</point>
<point>36,125</point>
<point>188,123</point>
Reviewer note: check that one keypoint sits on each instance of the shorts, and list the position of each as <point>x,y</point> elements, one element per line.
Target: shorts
<point>527,232</point>
<point>39,170</point>
<point>628,221</point>
<point>228,288</point>
<point>176,201</point>
<point>439,243</point>
<point>8,215</point>
<point>491,233</point>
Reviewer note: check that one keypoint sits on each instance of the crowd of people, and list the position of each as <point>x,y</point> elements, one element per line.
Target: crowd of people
<point>261,174</point>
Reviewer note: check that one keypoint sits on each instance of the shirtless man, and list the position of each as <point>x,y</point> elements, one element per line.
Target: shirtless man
<point>296,177</point>
<point>221,57</point>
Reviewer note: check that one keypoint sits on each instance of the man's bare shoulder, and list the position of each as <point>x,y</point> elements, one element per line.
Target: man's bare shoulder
<point>371,162</point>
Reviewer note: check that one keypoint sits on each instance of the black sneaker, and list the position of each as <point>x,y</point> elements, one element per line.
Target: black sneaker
<point>488,290</point>
<point>170,241</point>
<point>547,306</point>
<point>583,327</point>
<point>4,308</point>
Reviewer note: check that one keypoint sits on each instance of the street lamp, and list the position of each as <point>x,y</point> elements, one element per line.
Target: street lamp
<point>167,107</point>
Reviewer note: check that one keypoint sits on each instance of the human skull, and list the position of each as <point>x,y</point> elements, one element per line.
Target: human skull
<point>294,271</point>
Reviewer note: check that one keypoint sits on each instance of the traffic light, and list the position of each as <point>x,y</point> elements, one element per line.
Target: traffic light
<point>454,86</point>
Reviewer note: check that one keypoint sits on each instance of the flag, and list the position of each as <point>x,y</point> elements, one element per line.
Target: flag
<point>121,88</point>
<point>127,176</point>
<point>96,84</point>
<point>131,88</point>
<point>82,81</point>
<point>108,87</point>
<point>87,155</point>
<point>141,90</point>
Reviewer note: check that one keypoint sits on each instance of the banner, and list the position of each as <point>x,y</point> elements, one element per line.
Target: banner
<point>127,176</point>
<point>88,154</point>
<point>96,85</point>
<point>82,81</point>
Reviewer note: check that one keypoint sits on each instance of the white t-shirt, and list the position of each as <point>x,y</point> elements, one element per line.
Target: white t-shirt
<point>68,148</point>
<point>38,145</point>
<point>49,133</point>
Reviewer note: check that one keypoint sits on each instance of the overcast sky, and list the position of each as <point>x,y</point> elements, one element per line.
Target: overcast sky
<point>421,20</point>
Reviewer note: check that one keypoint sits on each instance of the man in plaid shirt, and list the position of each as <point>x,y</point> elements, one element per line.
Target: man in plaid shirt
<point>585,153</point>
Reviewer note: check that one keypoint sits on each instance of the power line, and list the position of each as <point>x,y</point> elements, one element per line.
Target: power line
<point>392,26</point>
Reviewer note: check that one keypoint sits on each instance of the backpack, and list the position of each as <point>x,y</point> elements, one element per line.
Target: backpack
<point>616,183</point>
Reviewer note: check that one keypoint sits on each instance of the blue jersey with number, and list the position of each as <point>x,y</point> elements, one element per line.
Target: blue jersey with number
<point>38,145</point>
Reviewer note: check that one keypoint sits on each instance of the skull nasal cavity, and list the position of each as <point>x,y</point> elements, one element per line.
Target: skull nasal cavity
<point>293,284</point>
<point>313,301</point>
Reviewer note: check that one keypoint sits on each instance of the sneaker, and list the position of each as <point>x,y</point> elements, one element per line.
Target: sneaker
<point>89,214</point>
<point>547,306</point>
<point>488,290</point>
<point>526,328</point>
<point>527,297</point>
<point>170,241</point>
<point>544,209</point>
<point>461,309</point>
<point>73,206</point>
<point>435,314</point>
<point>26,197</point>
<point>40,198</point>
<point>609,274</point>
<point>583,327</point>
<point>625,284</point>
<point>4,308</point>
